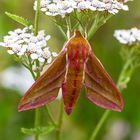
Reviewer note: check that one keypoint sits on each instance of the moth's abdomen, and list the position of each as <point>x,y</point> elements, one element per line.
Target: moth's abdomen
<point>72,85</point>
<point>73,82</point>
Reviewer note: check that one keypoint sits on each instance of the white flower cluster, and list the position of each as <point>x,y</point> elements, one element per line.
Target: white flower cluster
<point>22,79</point>
<point>63,7</point>
<point>23,42</point>
<point>128,37</point>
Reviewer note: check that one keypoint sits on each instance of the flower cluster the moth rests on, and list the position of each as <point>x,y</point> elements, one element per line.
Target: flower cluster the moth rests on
<point>74,67</point>
<point>64,7</point>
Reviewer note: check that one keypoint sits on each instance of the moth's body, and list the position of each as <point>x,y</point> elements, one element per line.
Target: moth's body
<point>77,55</point>
<point>74,67</point>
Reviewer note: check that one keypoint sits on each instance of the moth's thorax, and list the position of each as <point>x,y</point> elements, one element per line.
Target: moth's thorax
<point>77,50</point>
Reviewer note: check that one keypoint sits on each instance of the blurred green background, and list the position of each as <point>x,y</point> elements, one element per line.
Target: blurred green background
<point>78,126</point>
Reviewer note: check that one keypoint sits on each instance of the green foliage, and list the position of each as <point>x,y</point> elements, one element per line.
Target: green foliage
<point>38,131</point>
<point>19,19</point>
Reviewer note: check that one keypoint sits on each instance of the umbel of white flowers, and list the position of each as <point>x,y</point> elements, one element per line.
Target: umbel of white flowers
<point>63,7</point>
<point>128,37</point>
<point>22,42</point>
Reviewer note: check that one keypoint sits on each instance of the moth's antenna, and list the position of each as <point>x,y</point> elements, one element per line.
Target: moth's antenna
<point>68,33</point>
<point>85,34</point>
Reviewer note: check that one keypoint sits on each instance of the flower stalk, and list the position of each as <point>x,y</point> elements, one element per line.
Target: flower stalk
<point>37,18</point>
<point>37,111</point>
<point>60,121</point>
<point>50,116</point>
<point>37,122</point>
<point>98,22</point>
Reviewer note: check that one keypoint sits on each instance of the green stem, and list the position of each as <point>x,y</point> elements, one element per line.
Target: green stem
<point>32,73</point>
<point>62,31</point>
<point>37,111</point>
<point>58,132</point>
<point>37,18</point>
<point>36,25</point>
<point>37,122</point>
<point>76,16</point>
<point>38,73</point>
<point>98,22</point>
<point>94,27</point>
<point>100,124</point>
<point>50,116</point>
<point>122,77</point>
<point>59,26</point>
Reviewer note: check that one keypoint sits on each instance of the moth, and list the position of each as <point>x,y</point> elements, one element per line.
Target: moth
<point>74,67</point>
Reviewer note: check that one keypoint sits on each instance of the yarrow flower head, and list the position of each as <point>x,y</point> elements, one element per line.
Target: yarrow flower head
<point>128,37</point>
<point>22,42</point>
<point>63,7</point>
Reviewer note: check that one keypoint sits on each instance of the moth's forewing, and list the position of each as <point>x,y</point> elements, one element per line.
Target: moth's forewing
<point>77,53</point>
<point>46,88</point>
<point>101,89</point>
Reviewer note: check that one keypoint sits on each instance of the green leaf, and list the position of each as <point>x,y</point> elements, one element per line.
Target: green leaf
<point>38,131</point>
<point>19,19</point>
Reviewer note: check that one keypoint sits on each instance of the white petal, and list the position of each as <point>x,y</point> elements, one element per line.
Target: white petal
<point>31,27</point>
<point>49,60</point>
<point>47,37</point>
<point>10,52</point>
<point>125,8</point>
<point>54,54</point>
<point>20,53</point>
<point>34,56</point>
<point>43,9</point>
<point>2,44</point>
<point>41,59</point>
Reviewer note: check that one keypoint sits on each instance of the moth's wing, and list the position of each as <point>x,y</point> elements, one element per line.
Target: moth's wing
<point>46,88</point>
<point>101,89</point>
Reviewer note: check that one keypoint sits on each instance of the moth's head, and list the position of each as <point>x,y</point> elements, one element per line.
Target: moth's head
<point>77,45</point>
<point>78,34</point>
<point>77,37</point>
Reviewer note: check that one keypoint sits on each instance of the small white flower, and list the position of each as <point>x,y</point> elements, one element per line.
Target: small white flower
<point>32,47</point>
<point>52,9</point>
<point>49,60</point>
<point>33,39</point>
<point>2,44</point>
<point>10,52</point>
<point>97,5</point>
<point>46,53</point>
<point>54,54</point>
<point>128,37</point>
<point>41,59</point>
<point>48,37</point>
<point>83,5</point>
<point>34,56</point>
<point>65,7</point>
